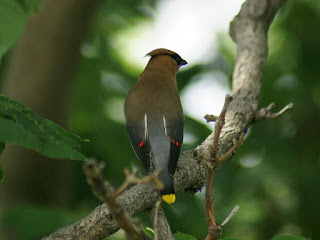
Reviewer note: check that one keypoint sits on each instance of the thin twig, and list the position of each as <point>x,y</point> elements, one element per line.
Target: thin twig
<point>132,178</point>
<point>155,220</point>
<point>266,113</point>
<point>233,212</point>
<point>211,118</point>
<point>234,147</point>
<point>104,191</point>
<point>93,172</point>
<point>219,124</point>
<point>213,230</point>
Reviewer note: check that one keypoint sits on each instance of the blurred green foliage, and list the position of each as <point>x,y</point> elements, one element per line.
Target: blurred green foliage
<point>274,176</point>
<point>229,239</point>
<point>28,221</point>
<point>182,236</point>
<point>2,146</point>
<point>287,237</point>
<point>2,173</point>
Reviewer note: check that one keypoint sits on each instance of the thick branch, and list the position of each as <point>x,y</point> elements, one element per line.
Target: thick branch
<point>190,175</point>
<point>161,225</point>
<point>104,191</point>
<point>249,30</point>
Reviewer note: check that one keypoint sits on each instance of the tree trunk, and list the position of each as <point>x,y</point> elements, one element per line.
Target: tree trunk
<point>40,75</point>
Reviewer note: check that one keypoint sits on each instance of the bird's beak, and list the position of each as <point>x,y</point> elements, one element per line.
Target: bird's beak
<point>184,62</point>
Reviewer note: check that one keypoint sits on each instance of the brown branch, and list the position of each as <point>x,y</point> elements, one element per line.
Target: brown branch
<point>155,219</point>
<point>249,30</point>
<point>131,178</point>
<point>218,127</point>
<point>230,152</point>
<point>266,113</point>
<point>213,230</point>
<point>190,176</point>
<point>161,226</point>
<point>104,192</point>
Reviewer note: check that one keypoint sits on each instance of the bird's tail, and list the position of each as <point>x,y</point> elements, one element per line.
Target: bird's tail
<point>167,193</point>
<point>160,150</point>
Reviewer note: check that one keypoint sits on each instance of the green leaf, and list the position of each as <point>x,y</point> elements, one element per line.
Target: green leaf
<point>19,125</point>
<point>150,229</point>
<point>2,174</point>
<point>12,20</point>
<point>183,236</point>
<point>13,16</point>
<point>288,237</point>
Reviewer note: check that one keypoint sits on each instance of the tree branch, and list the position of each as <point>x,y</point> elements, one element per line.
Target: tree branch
<point>161,226</point>
<point>266,113</point>
<point>190,176</point>
<point>211,118</point>
<point>249,30</point>
<point>104,191</point>
<point>213,229</point>
<point>233,212</point>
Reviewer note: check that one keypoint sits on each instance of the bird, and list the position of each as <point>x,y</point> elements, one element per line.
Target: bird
<point>154,117</point>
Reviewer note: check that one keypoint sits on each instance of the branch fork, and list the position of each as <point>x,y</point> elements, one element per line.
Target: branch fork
<point>105,192</point>
<point>214,230</point>
<point>266,113</point>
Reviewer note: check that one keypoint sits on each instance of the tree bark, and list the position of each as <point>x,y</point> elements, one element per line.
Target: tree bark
<point>249,30</point>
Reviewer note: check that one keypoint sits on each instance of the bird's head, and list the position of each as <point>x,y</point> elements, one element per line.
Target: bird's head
<point>166,57</point>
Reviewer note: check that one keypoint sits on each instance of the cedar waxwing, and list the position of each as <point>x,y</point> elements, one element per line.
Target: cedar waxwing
<point>154,117</point>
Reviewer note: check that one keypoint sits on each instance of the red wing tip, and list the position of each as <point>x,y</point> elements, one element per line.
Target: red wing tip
<point>141,144</point>
<point>174,142</point>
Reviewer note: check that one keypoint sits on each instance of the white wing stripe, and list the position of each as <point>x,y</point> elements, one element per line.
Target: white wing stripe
<point>145,126</point>
<point>165,126</point>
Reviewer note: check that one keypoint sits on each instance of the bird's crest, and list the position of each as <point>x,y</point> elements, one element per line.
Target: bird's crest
<point>160,51</point>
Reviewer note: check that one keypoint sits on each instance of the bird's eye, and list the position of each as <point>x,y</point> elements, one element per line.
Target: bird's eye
<point>178,59</point>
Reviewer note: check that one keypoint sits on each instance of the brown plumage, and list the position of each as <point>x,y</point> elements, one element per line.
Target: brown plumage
<point>154,117</point>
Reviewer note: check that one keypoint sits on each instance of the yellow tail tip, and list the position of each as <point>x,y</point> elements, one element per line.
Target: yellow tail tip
<point>169,198</point>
